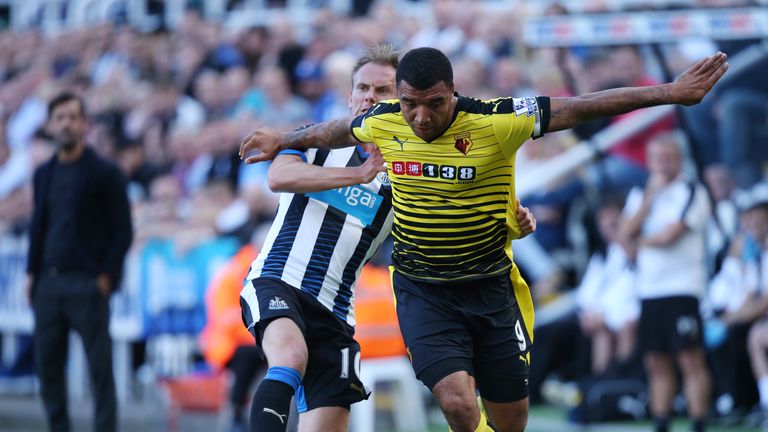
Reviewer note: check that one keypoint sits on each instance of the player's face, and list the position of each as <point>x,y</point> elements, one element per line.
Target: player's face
<point>370,84</point>
<point>429,112</point>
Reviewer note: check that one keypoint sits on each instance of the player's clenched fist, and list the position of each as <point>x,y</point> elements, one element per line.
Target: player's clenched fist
<point>261,145</point>
<point>526,220</point>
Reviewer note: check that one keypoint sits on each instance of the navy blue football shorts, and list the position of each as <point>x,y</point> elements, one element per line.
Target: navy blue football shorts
<point>474,326</point>
<point>332,377</point>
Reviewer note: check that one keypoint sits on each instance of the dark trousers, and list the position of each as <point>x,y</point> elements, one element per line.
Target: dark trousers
<point>246,365</point>
<point>73,302</point>
<point>731,370</point>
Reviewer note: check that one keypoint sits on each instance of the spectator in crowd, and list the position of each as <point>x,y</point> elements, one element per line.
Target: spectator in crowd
<point>755,306</point>
<point>80,234</point>
<point>281,107</point>
<point>260,204</point>
<point>509,78</point>
<point>130,158</point>
<point>446,350</point>
<point>224,163</point>
<point>471,79</point>
<point>549,259</point>
<point>725,218</point>
<point>191,155</point>
<point>14,164</point>
<point>16,204</point>
<point>624,165</point>
<point>24,101</point>
<point>554,207</point>
<point>607,310</point>
<point>443,33</point>
<point>663,232</point>
<point>735,301</point>
<point>161,214</point>
<point>252,43</point>
<point>15,211</point>
<point>728,123</point>
<point>607,300</point>
<point>207,90</point>
<point>333,103</point>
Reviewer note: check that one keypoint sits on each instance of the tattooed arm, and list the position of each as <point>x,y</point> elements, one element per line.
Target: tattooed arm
<point>330,134</point>
<point>289,173</point>
<point>688,89</point>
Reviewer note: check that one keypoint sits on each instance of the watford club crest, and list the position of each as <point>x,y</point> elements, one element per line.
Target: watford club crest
<point>463,142</point>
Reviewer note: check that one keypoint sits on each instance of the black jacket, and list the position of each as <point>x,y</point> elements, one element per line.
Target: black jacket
<point>103,215</point>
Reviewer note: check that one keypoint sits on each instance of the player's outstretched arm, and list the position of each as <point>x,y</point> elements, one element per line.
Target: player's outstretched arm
<point>330,134</point>
<point>688,89</point>
<point>289,173</point>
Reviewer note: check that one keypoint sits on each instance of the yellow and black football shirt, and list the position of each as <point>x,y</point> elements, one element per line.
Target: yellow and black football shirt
<point>454,197</point>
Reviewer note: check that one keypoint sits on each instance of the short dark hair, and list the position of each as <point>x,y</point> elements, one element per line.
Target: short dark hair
<point>63,98</point>
<point>380,54</point>
<point>422,68</point>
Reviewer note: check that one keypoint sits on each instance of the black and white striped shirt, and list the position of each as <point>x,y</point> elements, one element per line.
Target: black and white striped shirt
<point>320,241</point>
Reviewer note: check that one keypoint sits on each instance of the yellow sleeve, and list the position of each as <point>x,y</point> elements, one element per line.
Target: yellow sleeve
<point>363,126</point>
<point>359,129</point>
<point>514,121</point>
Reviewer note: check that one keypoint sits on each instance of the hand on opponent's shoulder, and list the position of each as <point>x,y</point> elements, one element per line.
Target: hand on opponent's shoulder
<point>261,145</point>
<point>265,142</point>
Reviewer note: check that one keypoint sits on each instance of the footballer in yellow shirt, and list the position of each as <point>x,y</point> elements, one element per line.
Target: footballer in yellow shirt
<point>464,311</point>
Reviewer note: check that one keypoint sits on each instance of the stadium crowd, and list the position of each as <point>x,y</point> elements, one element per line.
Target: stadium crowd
<point>170,107</point>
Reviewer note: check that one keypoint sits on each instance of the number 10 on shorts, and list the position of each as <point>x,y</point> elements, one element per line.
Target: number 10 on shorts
<point>345,363</point>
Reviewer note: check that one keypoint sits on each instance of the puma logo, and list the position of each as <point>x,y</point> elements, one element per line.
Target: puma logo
<point>357,388</point>
<point>397,140</point>
<point>280,416</point>
<point>525,359</point>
